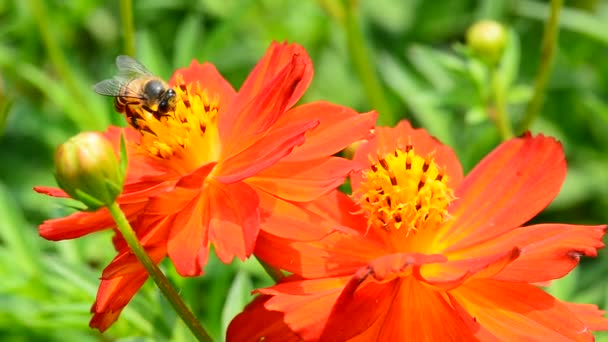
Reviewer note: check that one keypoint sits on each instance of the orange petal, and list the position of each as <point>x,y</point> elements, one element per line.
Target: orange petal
<point>506,189</point>
<point>187,235</point>
<point>234,219</point>
<point>450,274</point>
<point>262,100</point>
<point>126,262</point>
<point>306,303</point>
<point>141,167</point>
<point>548,251</point>
<point>46,190</point>
<point>400,310</point>
<point>82,223</point>
<point>387,139</point>
<point>256,323</point>
<point>519,311</point>
<point>113,295</point>
<point>302,181</point>
<point>208,78</point>
<point>338,128</point>
<point>310,221</point>
<point>276,144</point>
<point>590,315</point>
<point>276,58</point>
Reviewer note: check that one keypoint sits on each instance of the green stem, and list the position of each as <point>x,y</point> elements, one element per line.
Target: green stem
<point>502,119</point>
<point>362,61</point>
<point>126,15</point>
<point>61,66</point>
<point>155,273</point>
<point>542,76</point>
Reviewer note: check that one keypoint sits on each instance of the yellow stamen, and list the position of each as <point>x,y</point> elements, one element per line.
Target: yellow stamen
<point>405,192</point>
<point>188,137</point>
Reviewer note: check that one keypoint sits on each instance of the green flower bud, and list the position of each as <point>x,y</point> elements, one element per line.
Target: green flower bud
<point>487,40</point>
<point>87,169</point>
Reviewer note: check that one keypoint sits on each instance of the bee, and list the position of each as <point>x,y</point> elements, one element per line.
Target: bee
<point>135,88</point>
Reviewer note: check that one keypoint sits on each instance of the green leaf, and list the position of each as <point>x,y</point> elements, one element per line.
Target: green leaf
<point>424,104</point>
<point>238,297</point>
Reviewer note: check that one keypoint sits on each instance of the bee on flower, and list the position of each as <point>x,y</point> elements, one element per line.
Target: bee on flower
<point>206,164</point>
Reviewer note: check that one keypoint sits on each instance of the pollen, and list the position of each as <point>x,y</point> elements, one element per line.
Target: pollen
<point>187,137</point>
<point>404,192</point>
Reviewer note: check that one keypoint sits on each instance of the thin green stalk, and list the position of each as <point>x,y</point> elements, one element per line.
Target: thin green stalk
<point>61,66</point>
<point>544,69</point>
<point>155,273</point>
<point>363,63</point>
<point>128,31</point>
<point>502,119</point>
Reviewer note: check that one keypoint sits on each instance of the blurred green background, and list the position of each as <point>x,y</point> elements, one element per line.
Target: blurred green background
<point>52,52</point>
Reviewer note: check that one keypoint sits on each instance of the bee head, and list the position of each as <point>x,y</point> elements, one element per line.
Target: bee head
<point>167,103</point>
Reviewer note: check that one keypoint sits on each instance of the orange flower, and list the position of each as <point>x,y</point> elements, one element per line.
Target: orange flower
<point>429,256</point>
<point>196,177</point>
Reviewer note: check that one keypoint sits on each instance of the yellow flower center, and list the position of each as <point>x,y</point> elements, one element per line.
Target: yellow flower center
<point>404,192</point>
<point>188,137</point>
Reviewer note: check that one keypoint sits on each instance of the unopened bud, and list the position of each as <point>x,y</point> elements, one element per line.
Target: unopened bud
<point>487,40</point>
<point>87,169</point>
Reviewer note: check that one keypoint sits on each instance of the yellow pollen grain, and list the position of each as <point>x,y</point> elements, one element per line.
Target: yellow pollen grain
<point>187,137</point>
<point>405,192</point>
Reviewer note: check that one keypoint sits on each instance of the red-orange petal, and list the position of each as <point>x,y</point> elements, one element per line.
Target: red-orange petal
<point>548,251</point>
<point>233,218</point>
<point>387,139</point>
<point>303,181</point>
<point>258,107</point>
<point>126,263</point>
<point>83,223</point>
<point>113,295</point>
<point>272,63</point>
<point>450,274</point>
<point>339,252</point>
<point>506,189</point>
<point>590,315</point>
<point>306,303</point>
<point>208,78</point>
<point>519,311</point>
<point>276,144</point>
<point>338,128</point>
<point>187,236</point>
<point>256,323</point>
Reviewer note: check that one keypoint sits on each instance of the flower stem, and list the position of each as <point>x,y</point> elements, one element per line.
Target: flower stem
<point>542,76</point>
<point>502,119</point>
<point>155,273</point>
<point>362,61</point>
<point>126,15</point>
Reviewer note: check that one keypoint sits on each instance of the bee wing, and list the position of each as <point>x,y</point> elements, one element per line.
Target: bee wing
<point>115,87</point>
<point>130,68</point>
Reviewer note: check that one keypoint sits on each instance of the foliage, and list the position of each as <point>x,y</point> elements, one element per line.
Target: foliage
<point>52,52</point>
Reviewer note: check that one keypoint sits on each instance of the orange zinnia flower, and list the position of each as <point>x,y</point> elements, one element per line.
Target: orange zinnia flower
<point>429,256</point>
<point>207,172</point>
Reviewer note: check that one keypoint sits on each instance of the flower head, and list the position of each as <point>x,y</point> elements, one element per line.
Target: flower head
<point>430,255</point>
<point>206,173</point>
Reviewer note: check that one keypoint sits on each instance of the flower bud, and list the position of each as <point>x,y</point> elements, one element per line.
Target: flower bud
<point>487,40</point>
<point>87,169</point>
